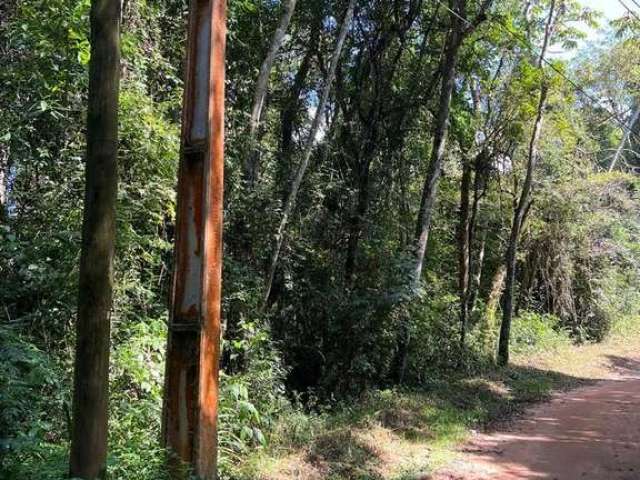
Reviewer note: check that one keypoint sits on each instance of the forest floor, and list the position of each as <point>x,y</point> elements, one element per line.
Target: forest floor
<point>535,419</point>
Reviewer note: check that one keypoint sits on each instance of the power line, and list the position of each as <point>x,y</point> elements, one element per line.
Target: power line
<point>536,52</point>
<point>635,15</point>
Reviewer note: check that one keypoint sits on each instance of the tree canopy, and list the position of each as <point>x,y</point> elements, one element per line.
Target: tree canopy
<point>372,201</point>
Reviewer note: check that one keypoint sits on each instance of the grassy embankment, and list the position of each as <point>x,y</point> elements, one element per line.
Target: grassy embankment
<point>402,435</point>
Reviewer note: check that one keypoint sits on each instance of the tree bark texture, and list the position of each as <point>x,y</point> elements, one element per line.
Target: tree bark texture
<point>488,329</point>
<point>523,204</point>
<point>514,237</point>
<point>91,370</point>
<point>625,139</point>
<point>464,241</point>
<point>308,150</point>
<point>260,93</point>
<point>430,188</point>
<point>290,112</point>
<point>477,229</point>
<point>460,29</point>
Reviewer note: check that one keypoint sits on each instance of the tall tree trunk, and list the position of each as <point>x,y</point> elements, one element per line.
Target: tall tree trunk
<point>382,75</point>
<point>477,267</point>
<point>625,138</point>
<point>430,188</point>
<point>250,169</point>
<point>523,204</point>
<point>4,180</point>
<point>527,277</point>
<point>488,327</point>
<point>447,69</point>
<point>91,373</point>
<point>460,29</point>
<point>290,112</point>
<point>476,264</point>
<point>358,219</point>
<point>512,247</point>
<point>308,150</point>
<point>495,292</point>
<point>634,143</point>
<point>242,244</point>
<point>260,94</point>
<point>464,241</point>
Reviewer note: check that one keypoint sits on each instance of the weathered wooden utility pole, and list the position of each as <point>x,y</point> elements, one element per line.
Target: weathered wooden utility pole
<point>193,350</point>
<point>88,452</point>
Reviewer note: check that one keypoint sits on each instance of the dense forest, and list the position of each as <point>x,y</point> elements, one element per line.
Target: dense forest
<point>415,191</point>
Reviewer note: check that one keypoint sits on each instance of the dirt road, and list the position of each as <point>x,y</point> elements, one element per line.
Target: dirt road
<point>589,434</point>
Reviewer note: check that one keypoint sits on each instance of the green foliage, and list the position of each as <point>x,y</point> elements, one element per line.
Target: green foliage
<point>292,370</point>
<point>39,246</point>
<point>582,264</point>
<point>533,332</point>
<point>33,411</point>
<point>435,339</point>
<point>249,401</point>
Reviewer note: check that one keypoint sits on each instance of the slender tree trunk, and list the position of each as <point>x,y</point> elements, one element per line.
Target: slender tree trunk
<point>357,221</point>
<point>429,191</point>
<point>461,28</point>
<point>260,94</point>
<point>625,138</point>
<point>476,264</point>
<point>382,74</point>
<point>308,150</point>
<point>289,114</point>
<point>523,204</point>
<point>243,243</point>
<point>4,180</point>
<point>512,247</point>
<point>634,143</point>
<point>527,278</point>
<point>91,374</point>
<point>495,292</point>
<point>464,239</point>
<point>489,328</point>
<point>477,267</point>
<point>448,69</point>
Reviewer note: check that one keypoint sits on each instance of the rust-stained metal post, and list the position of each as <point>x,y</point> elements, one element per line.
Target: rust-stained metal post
<point>193,350</point>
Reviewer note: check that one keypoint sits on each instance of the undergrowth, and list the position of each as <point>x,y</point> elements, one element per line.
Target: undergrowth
<point>406,433</point>
<point>391,433</point>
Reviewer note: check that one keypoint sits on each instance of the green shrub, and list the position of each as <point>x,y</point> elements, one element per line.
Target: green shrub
<point>250,401</point>
<point>532,332</point>
<point>435,338</point>
<point>33,411</point>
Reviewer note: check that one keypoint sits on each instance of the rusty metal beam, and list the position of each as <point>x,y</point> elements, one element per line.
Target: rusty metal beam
<point>189,427</point>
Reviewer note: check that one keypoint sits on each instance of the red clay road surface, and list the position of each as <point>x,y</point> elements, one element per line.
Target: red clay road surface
<point>589,434</point>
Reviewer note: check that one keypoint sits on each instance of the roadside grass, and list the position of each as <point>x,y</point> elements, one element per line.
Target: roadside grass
<point>591,361</point>
<point>406,434</point>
